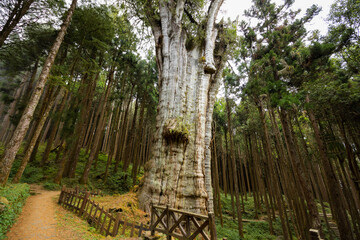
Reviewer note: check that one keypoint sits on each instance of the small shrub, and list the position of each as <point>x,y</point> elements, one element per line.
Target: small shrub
<point>51,186</point>
<point>120,182</point>
<point>32,174</point>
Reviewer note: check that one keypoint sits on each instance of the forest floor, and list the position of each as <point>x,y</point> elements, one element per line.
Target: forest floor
<point>37,220</point>
<point>41,218</point>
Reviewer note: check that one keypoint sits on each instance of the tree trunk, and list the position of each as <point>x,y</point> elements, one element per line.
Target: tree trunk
<point>304,182</point>
<point>335,191</point>
<point>35,137</point>
<point>98,132</point>
<point>20,131</point>
<point>234,168</point>
<point>20,9</point>
<point>54,128</point>
<point>175,174</point>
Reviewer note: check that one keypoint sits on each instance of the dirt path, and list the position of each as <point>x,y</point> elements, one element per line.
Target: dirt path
<point>37,220</point>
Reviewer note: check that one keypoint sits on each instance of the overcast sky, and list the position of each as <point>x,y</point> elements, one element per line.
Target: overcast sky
<point>233,8</point>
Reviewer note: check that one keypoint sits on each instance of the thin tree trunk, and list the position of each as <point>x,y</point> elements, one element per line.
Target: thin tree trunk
<point>234,167</point>
<point>20,9</point>
<point>305,184</point>
<point>35,137</point>
<point>335,192</point>
<point>54,129</point>
<point>20,131</point>
<point>98,132</point>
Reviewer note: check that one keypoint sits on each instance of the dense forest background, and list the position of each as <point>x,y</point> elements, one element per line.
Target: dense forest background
<point>285,144</point>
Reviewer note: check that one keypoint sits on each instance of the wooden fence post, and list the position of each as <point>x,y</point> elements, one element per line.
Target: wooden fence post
<point>152,219</point>
<point>62,194</point>
<point>212,226</point>
<point>140,230</point>
<point>168,236</point>
<point>116,224</point>
<point>83,204</point>
<point>99,219</point>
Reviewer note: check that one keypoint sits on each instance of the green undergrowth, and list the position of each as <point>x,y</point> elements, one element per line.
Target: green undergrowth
<point>254,228</point>
<point>12,199</point>
<point>117,183</point>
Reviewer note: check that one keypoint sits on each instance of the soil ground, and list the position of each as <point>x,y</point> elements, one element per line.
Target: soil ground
<point>42,218</point>
<point>38,217</point>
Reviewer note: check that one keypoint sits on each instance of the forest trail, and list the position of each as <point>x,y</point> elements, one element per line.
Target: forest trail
<point>37,219</point>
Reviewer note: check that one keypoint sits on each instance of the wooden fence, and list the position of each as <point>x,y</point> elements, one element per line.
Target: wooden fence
<point>105,222</point>
<point>181,224</point>
<point>172,222</point>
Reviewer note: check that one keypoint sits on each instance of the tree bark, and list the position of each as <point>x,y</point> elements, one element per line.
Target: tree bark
<point>20,131</point>
<point>175,174</point>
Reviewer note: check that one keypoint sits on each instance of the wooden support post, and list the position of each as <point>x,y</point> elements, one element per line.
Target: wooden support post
<point>212,226</point>
<point>140,229</point>
<point>132,230</point>
<point>124,226</point>
<point>108,228</point>
<point>99,221</point>
<point>152,221</point>
<point>188,229</point>
<point>102,228</point>
<point>168,236</point>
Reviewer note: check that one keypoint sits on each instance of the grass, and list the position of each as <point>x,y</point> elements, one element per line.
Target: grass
<point>252,229</point>
<point>13,197</point>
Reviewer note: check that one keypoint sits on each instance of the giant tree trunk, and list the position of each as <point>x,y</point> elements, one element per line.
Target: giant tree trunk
<point>178,173</point>
<point>20,131</point>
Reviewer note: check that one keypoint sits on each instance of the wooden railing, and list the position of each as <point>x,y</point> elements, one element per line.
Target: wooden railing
<point>181,224</point>
<point>105,222</point>
<point>172,222</point>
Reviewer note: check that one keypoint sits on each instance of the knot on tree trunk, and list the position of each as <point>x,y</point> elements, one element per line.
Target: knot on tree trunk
<point>175,131</point>
<point>209,68</point>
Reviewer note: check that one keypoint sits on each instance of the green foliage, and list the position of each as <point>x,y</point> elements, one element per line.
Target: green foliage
<point>16,194</point>
<point>120,182</point>
<point>252,230</point>
<point>51,186</point>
